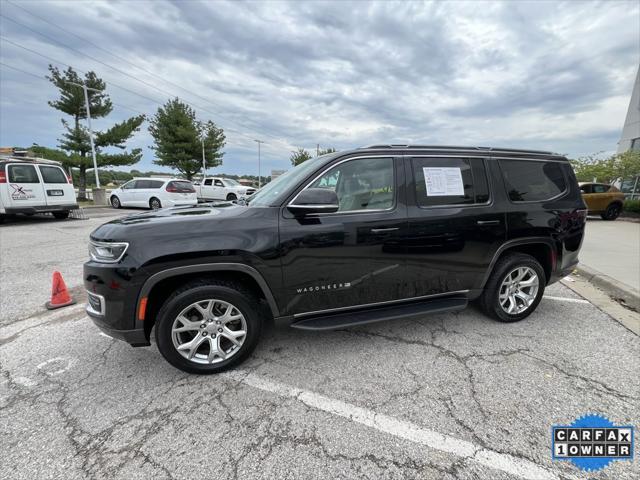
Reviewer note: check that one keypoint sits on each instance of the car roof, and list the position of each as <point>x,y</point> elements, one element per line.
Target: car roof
<point>160,179</point>
<point>464,150</point>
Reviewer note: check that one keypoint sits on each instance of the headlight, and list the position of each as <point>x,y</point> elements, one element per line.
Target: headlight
<point>107,252</point>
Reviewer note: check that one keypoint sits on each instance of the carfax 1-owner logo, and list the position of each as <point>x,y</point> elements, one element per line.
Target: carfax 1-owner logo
<point>592,442</point>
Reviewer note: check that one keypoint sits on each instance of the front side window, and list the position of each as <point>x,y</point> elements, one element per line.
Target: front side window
<point>53,175</point>
<point>23,174</point>
<point>450,181</point>
<point>532,180</point>
<point>218,183</point>
<point>587,188</point>
<point>362,184</point>
<point>600,188</point>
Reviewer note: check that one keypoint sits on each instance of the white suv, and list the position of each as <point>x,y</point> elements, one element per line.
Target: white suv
<point>154,193</point>
<point>220,188</point>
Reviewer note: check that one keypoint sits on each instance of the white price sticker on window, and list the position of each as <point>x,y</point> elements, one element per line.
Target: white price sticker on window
<point>443,181</point>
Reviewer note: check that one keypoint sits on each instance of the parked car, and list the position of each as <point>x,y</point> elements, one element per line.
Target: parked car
<point>154,193</point>
<point>220,188</point>
<point>33,186</point>
<point>377,233</point>
<point>602,199</point>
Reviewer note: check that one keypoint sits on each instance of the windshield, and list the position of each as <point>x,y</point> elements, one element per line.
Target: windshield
<point>230,182</point>
<point>269,193</point>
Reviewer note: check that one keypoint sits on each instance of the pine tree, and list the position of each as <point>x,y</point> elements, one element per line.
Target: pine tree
<point>178,137</point>
<point>75,142</point>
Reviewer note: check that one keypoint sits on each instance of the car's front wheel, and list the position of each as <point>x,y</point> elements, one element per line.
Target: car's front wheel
<point>115,202</point>
<point>231,197</point>
<point>612,212</point>
<point>514,288</point>
<point>208,326</point>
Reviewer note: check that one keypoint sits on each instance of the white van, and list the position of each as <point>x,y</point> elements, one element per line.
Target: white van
<point>154,193</point>
<point>33,186</point>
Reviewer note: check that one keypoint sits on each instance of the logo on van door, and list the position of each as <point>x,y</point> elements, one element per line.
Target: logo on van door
<point>21,193</point>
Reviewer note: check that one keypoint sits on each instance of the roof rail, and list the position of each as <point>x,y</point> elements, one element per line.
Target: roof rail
<point>452,147</point>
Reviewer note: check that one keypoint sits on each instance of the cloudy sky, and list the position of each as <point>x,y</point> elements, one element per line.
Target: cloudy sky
<point>542,75</point>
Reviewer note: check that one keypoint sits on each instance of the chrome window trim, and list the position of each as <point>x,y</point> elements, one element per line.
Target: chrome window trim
<point>395,179</point>
<point>388,302</point>
<point>90,309</point>
<point>455,205</point>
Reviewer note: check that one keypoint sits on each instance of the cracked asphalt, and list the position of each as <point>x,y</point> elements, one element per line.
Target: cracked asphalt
<point>403,399</point>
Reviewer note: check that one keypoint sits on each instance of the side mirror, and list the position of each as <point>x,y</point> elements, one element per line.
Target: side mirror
<point>314,200</point>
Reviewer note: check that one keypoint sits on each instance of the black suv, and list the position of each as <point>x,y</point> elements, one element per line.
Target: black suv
<point>372,234</point>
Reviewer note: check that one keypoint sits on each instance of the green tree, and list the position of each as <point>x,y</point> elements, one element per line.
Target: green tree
<point>299,156</point>
<point>608,170</point>
<point>324,151</point>
<point>178,135</point>
<point>75,143</point>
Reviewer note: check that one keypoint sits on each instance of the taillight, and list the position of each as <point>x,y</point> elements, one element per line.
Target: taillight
<point>171,189</point>
<point>3,176</point>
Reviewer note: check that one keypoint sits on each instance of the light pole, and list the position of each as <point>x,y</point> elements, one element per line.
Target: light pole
<point>259,142</point>
<point>204,162</point>
<point>93,148</point>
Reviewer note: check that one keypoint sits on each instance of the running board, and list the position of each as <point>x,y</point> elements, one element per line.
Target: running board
<point>350,319</point>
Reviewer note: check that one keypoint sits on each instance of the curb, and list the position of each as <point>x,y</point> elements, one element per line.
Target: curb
<point>614,288</point>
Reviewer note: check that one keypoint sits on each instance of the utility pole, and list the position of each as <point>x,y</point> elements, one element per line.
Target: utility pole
<point>93,148</point>
<point>259,142</point>
<point>204,162</point>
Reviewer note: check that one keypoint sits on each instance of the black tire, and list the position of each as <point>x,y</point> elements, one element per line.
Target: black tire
<point>61,215</point>
<point>489,300</point>
<point>612,212</point>
<point>231,197</point>
<point>154,204</point>
<point>241,298</point>
<point>115,202</point>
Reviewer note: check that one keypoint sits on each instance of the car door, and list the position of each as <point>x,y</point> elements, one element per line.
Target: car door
<point>25,189</point>
<point>602,197</point>
<point>127,194</point>
<point>206,190</point>
<point>454,228</point>
<point>353,257</point>
<point>219,191</point>
<point>57,188</point>
<point>142,193</point>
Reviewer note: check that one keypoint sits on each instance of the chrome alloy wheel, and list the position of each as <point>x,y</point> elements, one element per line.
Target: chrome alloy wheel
<point>209,331</point>
<point>518,290</point>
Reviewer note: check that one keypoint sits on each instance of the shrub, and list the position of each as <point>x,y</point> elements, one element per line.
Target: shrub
<point>632,206</point>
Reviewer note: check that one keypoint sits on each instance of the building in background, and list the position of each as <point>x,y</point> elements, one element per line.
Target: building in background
<point>630,139</point>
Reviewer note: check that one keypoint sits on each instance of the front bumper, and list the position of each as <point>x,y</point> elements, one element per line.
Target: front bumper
<point>112,297</point>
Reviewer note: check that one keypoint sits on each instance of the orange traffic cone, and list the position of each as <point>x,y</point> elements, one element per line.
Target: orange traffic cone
<point>59,294</point>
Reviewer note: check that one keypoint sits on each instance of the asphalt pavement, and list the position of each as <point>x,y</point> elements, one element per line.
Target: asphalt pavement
<point>451,396</point>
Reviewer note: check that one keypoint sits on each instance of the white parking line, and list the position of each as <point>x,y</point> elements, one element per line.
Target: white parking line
<point>567,299</point>
<point>399,428</point>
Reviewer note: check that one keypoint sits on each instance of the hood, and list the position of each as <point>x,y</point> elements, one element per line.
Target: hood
<point>174,220</point>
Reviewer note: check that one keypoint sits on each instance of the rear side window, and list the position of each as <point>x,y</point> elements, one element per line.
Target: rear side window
<point>450,181</point>
<point>155,183</point>
<point>23,174</point>
<point>181,187</point>
<point>600,188</point>
<point>586,188</point>
<point>532,181</point>
<point>53,175</point>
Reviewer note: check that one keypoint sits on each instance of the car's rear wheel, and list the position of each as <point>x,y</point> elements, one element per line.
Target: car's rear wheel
<point>155,204</point>
<point>514,288</point>
<point>208,326</point>
<point>61,215</point>
<point>231,197</point>
<point>612,212</point>
<point>115,202</point>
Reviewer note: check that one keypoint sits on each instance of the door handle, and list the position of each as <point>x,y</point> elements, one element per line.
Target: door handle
<point>488,222</point>
<point>384,230</point>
